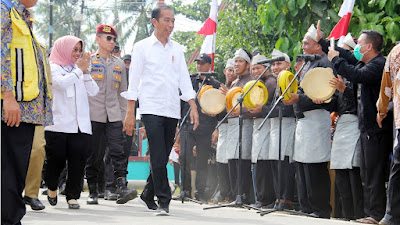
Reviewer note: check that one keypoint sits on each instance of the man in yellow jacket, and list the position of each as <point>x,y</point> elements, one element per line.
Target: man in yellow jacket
<point>26,102</point>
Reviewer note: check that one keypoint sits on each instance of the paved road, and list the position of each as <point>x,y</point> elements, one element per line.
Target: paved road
<point>108,212</point>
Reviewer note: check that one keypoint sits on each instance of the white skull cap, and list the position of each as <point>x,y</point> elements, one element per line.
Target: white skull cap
<point>240,53</point>
<point>277,53</point>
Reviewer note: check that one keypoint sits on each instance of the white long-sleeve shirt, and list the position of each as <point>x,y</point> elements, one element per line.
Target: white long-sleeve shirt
<point>70,99</point>
<point>156,76</point>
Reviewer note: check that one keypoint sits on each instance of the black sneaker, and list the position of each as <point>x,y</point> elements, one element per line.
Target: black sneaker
<point>151,205</point>
<point>162,211</point>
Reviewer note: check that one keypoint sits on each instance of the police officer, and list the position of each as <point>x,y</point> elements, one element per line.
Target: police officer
<point>107,110</point>
<point>201,138</point>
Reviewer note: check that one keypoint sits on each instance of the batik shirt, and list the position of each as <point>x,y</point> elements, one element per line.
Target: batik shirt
<point>37,111</point>
<point>390,86</point>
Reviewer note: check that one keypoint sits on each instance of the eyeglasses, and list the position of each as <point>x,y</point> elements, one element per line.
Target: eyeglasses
<point>109,38</point>
<point>78,50</point>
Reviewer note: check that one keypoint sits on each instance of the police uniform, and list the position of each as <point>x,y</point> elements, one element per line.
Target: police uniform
<point>107,111</point>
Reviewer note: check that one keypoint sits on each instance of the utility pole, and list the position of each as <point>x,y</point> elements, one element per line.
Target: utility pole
<point>51,25</point>
<point>80,19</point>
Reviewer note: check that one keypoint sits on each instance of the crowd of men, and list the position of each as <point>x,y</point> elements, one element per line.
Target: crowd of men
<point>346,134</point>
<point>291,174</point>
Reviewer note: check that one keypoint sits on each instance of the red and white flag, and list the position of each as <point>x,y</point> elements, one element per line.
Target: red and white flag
<point>209,29</point>
<point>340,30</point>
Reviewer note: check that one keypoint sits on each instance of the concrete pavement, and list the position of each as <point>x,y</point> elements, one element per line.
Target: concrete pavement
<point>108,212</point>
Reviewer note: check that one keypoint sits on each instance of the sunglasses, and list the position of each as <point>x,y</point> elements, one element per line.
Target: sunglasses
<point>78,50</point>
<point>109,38</point>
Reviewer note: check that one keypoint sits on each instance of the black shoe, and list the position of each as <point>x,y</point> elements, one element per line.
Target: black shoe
<point>108,195</point>
<point>52,201</point>
<point>151,205</point>
<point>35,203</point>
<point>93,199</point>
<point>286,206</point>
<point>73,206</point>
<point>162,211</point>
<point>317,215</point>
<point>125,194</point>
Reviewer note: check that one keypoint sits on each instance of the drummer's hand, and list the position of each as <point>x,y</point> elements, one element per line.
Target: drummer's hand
<point>332,53</point>
<point>293,100</point>
<point>379,119</point>
<point>214,137</point>
<point>319,32</point>
<point>194,115</point>
<point>337,83</point>
<point>255,110</point>
<point>235,112</point>
<point>130,119</point>
<point>223,89</point>
<point>318,101</point>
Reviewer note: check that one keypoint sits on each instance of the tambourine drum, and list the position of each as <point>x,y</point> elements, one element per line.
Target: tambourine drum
<point>212,101</point>
<point>258,95</point>
<point>203,89</point>
<point>231,97</point>
<point>316,84</point>
<point>284,79</point>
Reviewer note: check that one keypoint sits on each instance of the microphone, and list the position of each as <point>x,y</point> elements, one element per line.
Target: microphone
<point>213,74</point>
<point>309,57</point>
<point>280,58</point>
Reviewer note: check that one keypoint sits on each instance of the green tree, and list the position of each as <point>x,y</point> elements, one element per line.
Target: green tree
<point>138,24</point>
<point>64,12</point>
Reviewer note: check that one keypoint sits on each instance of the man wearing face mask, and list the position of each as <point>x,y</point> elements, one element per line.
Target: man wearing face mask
<point>364,67</point>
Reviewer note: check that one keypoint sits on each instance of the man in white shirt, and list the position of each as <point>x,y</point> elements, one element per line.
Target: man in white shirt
<point>157,74</point>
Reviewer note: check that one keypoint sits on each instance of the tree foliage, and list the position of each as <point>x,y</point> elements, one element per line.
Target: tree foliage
<point>261,26</point>
<point>64,13</point>
<point>138,24</point>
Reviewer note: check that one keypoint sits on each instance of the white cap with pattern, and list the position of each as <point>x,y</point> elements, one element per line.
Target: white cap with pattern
<point>240,53</point>
<point>312,33</point>
<point>277,53</point>
<point>348,40</point>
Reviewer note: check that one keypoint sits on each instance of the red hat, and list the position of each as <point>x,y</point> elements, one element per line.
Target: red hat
<point>106,29</point>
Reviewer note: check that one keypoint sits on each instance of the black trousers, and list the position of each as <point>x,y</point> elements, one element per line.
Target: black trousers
<point>160,134</point>
<point>202,140</point>
<point>109,135</point>
<point>245,181</point>
<point>264,182</point>
<point>16,146</point>
<point>314,188</point>
<point>374,163</point>
<point>348,183</point>
<point>393,206</point>
<point>62,147</point>
<point>284,190</point>
<point>223,180</point>
<point>177,170</point>
<point>111,181</point>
